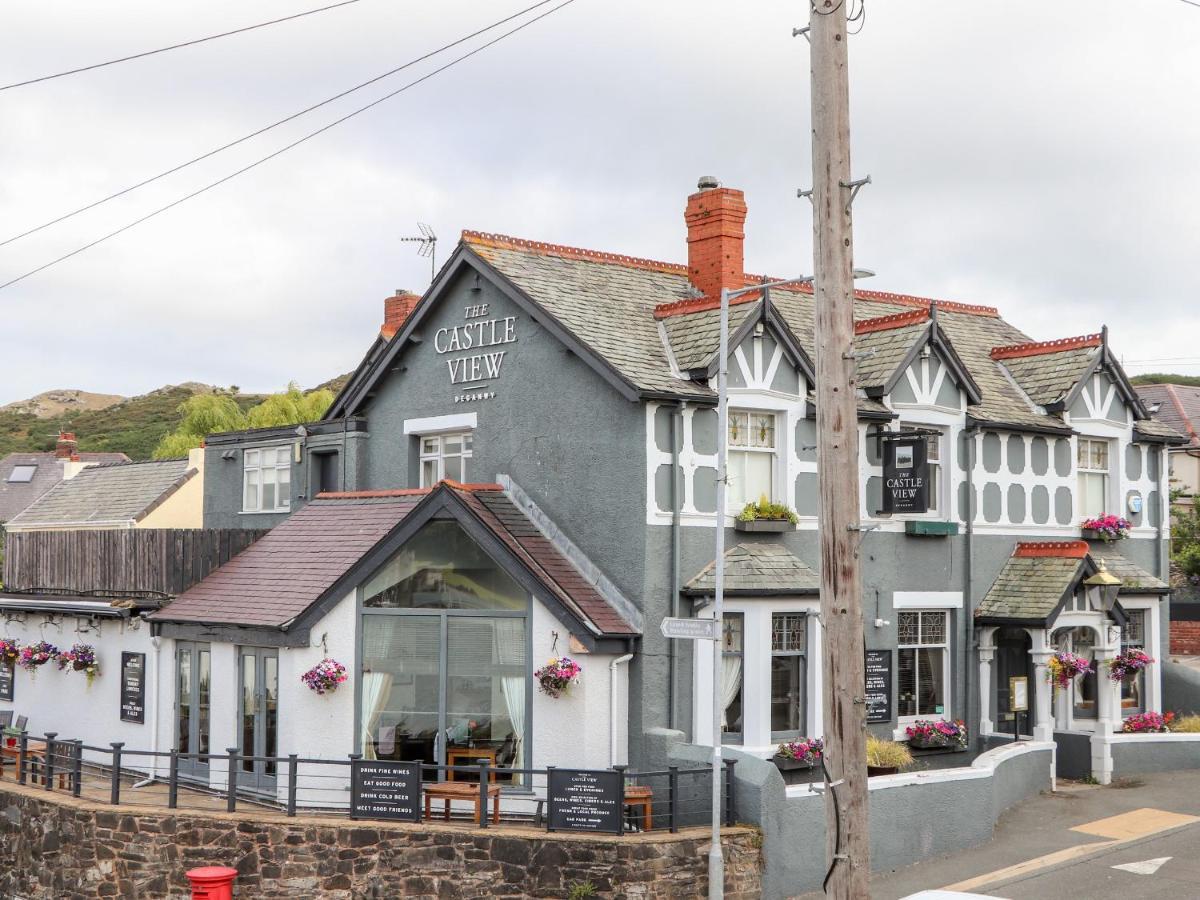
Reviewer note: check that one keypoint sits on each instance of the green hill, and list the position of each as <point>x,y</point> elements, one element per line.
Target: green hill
<point>1166,378</point>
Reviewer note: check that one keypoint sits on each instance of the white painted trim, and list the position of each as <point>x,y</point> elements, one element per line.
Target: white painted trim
<point>436,424</point>
<point>927,600</point>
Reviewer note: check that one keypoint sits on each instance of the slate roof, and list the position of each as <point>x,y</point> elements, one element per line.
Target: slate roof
<point>113,494</point>
<point>1028,589</point>
<point>1049,377</point>
<point>16,496</point>
<point>758,568</point>
<point>890,347</point>
<point>1134,578</point>
<point>299,561</point>
<point>1179,407</point>
<point>696,336</point>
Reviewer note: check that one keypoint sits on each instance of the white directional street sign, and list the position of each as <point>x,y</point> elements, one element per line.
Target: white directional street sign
<point>690,629</point>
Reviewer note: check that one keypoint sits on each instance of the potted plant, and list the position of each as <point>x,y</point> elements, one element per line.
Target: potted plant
<point>763,515</point>
<point>34,656</point>
<point>926,734</point>
<point>1148,723</point>
<point>886,757</point>
<point>558,675</point>
<point>10,651</point>
<point>802,753</point>
<point>325,676</point>
<point>1063,667</point>
<point>1128,662</point>
<point>1105,528</point>
<point>81,658</point>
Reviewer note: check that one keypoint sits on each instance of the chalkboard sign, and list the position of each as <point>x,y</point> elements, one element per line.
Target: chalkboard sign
<point>905,475</point>
<point>6,680</point>
<point>879,686</point>
<point>133,688</point>
<point>583,800</point>
<point>385,790</point>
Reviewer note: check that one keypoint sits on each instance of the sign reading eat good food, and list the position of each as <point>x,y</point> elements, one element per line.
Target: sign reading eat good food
<point>473,362</point>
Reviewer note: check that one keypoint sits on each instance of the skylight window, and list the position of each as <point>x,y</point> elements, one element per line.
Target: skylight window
<point>21,474</point>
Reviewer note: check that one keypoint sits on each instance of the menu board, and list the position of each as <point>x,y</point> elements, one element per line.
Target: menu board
<point>385,790</point>
<point>583,800</point>
<point>133,688</point>
<point>6,680</point>
<point>879,686</point>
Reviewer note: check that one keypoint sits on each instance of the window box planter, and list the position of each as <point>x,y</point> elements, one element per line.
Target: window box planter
<point>872,771</point>
<point>1090,534</point>
<point>787,764</point>
<point>931,529</point>
<point>764,525</point>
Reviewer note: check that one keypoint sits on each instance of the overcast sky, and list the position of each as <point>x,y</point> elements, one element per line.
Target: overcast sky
<point>1040,157</point>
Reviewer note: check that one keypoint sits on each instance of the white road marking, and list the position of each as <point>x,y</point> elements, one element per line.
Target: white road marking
<point>1146,867</point>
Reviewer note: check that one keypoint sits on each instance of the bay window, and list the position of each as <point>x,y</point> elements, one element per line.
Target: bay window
<point>752,456</point>
<point>923,663</point>
<point>1092,467</point>
<point>732,669</point>
<point>789,637</point>
<point>267,479</point>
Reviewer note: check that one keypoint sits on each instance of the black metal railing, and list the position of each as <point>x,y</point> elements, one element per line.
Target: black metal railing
<point>670,798</point>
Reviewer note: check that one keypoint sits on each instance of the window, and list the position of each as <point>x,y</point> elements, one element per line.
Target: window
<point>267,479</point>
<point>788,638</point>
<point>933,455</point>
<point>326,472</point>
<point>1133,687</point>
<point>922,668</point>
<point>444,456</point>
<point>21,474</point>
<point>1092,465</point>
<point>732,668</point>
<point>751,459</point>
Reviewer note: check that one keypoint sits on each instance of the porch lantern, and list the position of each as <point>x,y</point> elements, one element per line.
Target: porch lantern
<point>1106,587</point>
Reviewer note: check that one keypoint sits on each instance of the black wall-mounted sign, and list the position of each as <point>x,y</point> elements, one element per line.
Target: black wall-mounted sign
<point>133,688</point>
<point>879,686</point>
<point>385,790</point>
<point>6,680</point>
<point>582,800</point>
<point>905,475</point>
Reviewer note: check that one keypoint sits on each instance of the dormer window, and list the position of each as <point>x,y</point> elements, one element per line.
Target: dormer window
<point>267,479</point>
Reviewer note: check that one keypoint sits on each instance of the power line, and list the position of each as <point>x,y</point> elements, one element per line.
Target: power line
<point>211,37</point>
<point>1191,2</point>
<point>265,129</point>
<point>287,147</point>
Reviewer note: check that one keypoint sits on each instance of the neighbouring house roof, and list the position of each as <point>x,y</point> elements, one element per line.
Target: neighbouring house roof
<point>1134,579</point>
<point>309,561</point>
<point>15,496</point>
<point>759,568</point>
<point>1033,583</point>
<point>117,494</point>
<point>1178,407</point>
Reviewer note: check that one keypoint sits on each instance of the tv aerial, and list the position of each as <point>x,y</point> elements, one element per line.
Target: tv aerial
<point>428,246</point>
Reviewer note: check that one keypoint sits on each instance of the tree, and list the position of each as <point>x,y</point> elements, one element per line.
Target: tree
<point>205,414</point>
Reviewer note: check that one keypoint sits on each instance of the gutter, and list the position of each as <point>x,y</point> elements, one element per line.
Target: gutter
<point>156,642</point>
<point>612,706</point>
<point>673,655</point>
<point>968,627</point>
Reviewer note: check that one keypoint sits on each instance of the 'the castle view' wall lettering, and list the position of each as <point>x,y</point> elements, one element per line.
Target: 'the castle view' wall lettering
<point>474,370</point>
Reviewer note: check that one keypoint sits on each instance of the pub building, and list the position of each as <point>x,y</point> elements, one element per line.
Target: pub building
<point>523,466</point>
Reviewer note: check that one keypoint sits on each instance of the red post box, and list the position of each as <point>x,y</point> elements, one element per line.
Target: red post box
<point>212,882</point>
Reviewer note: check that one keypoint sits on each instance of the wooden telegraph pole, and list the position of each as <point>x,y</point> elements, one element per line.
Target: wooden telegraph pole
<point>847,844</point>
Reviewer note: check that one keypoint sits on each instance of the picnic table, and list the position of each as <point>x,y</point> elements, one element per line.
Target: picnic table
<point>459,790</point>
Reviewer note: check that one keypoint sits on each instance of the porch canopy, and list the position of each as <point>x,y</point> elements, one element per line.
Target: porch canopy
<point>759,569</point>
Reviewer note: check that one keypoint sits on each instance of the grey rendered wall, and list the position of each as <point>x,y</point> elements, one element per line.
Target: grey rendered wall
<point>1145,757</point>
<point>1181,688</point>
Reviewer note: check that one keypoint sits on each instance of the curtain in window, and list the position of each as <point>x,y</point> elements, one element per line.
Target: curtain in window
<point>376,686</point>
<point>731,683</point>
<point>510,651</point>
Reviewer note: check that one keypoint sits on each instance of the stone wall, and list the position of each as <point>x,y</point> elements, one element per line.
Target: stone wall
<point>52,846</point>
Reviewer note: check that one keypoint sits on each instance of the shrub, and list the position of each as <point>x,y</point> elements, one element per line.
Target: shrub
<point>765,509</point>
<point>1187,724</point>
<point>887,754</point>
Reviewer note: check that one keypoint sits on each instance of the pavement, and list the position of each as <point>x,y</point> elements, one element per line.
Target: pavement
<point>1139,838</point>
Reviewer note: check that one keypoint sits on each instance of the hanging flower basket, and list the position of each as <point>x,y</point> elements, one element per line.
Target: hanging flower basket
<point>1128,662</point>
<point>926,734</point>
<point>1106,528</point>
<point>802,753</point>
<point>81,658</point>
<point>34,656</point>
<point>1148,723</point>
<point>1063,667</point>
<point>10,651</point>
<point>325,676</point>
<point>558,675</point>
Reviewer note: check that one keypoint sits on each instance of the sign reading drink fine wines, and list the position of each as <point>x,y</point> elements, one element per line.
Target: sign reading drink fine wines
<point>905,475</point>
<point>133,688</point>
<point>385,790</point>
<point>581,800</point>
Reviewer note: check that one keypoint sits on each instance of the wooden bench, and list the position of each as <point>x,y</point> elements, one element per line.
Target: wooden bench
<point>459,790</point>
<point>639,795</point>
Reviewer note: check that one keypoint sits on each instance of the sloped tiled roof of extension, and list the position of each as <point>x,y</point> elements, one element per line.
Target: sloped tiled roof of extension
<point>1134,578</point>
<point>1179,407</point>
<point>112,493</point>
<point>48,471</point>
<point>761,568</point>
<point>306,559</point>
<point>1033,582</point>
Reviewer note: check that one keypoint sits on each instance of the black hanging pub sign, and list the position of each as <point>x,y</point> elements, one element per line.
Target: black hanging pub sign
<point>905,472</point>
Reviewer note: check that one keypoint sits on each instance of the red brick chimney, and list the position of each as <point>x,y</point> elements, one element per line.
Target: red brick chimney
<point>66,446</point>
<point>715,218</point>
<point>395,310</point>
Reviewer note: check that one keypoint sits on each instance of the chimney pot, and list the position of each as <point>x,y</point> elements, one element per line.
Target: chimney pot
<point>715,218</point>
<point>396,310</point>
<point>66,445</point>
<point>707,183</point>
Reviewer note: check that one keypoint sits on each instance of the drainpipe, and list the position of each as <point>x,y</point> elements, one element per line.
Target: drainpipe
<point>155,642</point>
<point>968,575</point>
<point>673,656</point>
<point>612,706</point>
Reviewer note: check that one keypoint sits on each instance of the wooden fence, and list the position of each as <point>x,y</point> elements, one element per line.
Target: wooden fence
<point>162,561</point>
